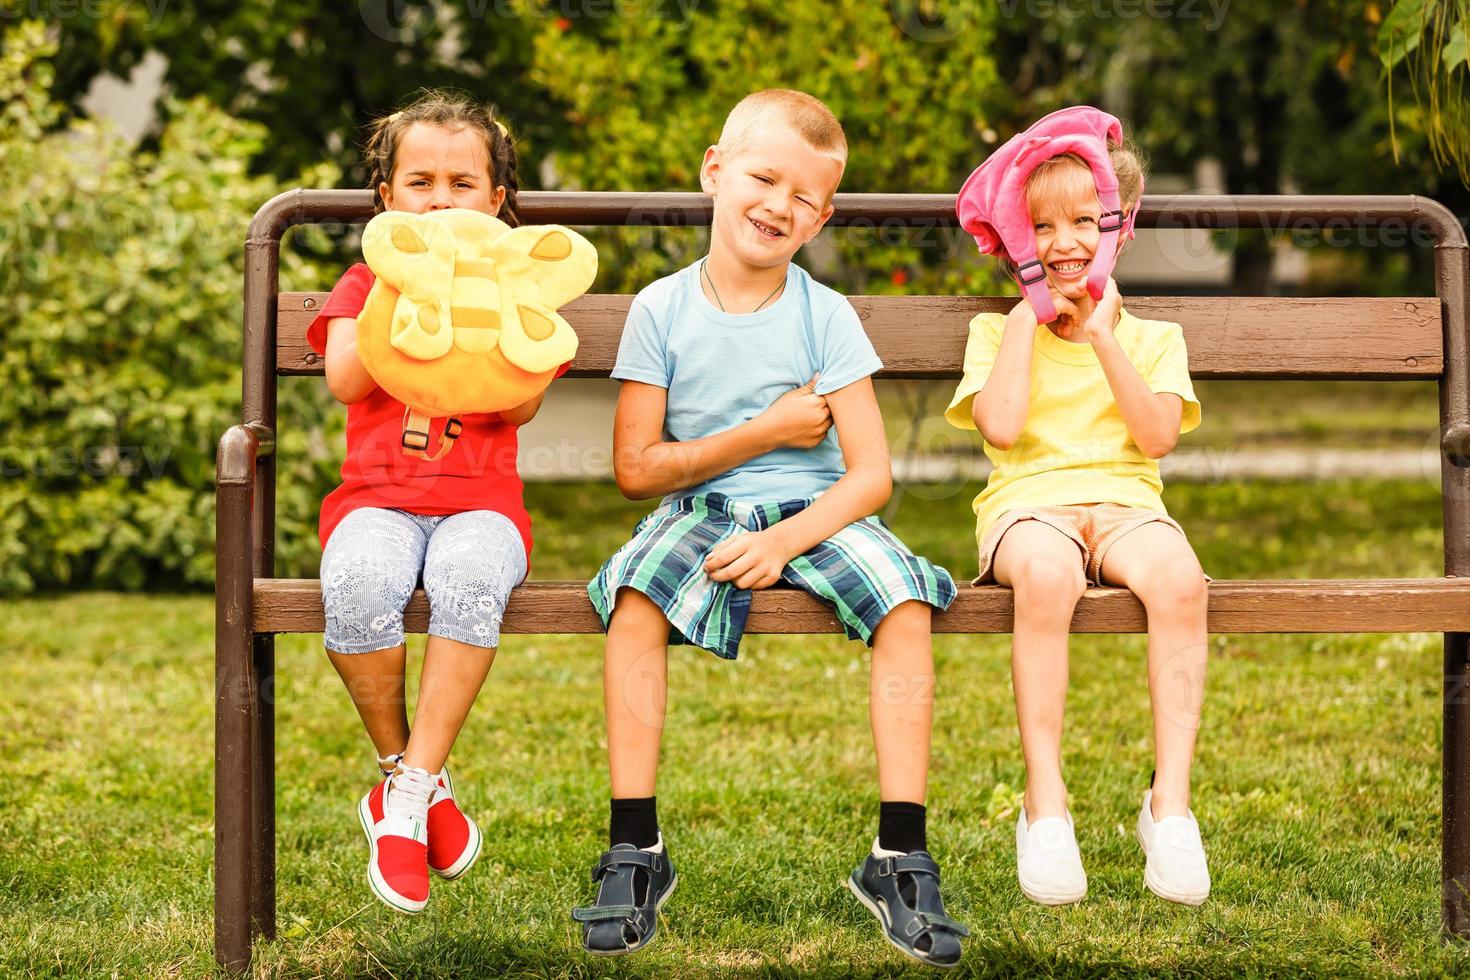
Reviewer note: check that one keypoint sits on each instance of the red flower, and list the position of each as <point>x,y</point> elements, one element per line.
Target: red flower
<point>563,24</point>
<point>900,277</point>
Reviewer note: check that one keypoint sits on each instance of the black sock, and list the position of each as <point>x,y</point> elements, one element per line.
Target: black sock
<point>634,821</point>
<point>901,827</point>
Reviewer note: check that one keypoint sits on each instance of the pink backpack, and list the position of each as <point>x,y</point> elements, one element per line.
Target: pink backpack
<point>992,204</point>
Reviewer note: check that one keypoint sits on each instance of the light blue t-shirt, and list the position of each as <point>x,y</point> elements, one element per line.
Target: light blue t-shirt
<point>723,369</point>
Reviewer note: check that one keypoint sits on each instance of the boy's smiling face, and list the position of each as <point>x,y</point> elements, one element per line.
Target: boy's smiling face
<point>772,195</point>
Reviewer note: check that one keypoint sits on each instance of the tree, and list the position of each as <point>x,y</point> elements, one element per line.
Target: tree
<point>312,73</point>
<point>645,96</point>
<point>1428,41</point>
<point>1283,95</point>
<point>120,287</point>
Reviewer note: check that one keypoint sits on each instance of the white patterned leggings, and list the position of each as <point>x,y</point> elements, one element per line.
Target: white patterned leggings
<point>468,564</point>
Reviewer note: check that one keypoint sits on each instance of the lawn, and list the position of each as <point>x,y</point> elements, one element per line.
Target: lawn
<point>1317,784</point>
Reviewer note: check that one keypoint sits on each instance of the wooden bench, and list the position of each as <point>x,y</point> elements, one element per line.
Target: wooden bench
<point>917,337</point>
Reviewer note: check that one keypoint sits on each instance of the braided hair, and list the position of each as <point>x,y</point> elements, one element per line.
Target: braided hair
<point>452,110</point>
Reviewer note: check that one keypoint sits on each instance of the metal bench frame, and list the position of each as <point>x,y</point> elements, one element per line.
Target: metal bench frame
<point>252,606</point>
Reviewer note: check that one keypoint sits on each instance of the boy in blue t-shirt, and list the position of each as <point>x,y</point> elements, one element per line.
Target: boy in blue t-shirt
<point>747,405</point>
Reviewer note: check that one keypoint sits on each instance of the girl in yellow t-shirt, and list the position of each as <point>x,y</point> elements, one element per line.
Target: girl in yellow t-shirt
<point>1076,414</point>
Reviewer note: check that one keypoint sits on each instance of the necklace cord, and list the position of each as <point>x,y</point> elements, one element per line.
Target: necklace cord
<point>703,268</point>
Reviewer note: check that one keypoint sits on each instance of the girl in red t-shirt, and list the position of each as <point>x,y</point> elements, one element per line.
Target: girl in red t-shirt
<point>458,523</point>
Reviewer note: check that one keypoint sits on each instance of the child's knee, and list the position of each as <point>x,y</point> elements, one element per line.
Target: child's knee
<point>1175,588</point>
<point>1043,583</point>
<point>363,602</point>
<point>632,610</point>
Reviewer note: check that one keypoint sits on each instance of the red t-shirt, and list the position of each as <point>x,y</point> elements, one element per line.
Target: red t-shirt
<point>479,473</point>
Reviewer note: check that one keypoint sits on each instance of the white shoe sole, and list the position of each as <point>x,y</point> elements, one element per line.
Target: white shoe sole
<point>1044,897</point>
<point>1192,899</point>
<point>882,915</point>
<point>471,853</point>
<point>380,888</point>
<point>467,859</point>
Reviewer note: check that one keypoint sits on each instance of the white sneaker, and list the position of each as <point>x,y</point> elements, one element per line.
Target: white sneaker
<point>1048,864</point>
<point>1175,867</point>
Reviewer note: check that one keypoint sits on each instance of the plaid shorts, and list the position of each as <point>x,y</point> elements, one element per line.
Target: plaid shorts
<point>863,571</point>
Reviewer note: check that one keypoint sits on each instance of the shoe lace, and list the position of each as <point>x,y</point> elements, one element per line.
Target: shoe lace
<point>409,791</point>
<point>388,763</point>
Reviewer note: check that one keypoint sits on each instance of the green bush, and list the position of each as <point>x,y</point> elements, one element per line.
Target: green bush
<point>121,277</point>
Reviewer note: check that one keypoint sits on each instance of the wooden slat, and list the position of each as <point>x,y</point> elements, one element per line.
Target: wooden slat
<point>1268,606</point>
<point>924,336</point>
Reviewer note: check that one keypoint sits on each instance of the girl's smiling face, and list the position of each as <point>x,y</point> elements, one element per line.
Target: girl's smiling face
<point>436,167</point>
<point>1065,212</point>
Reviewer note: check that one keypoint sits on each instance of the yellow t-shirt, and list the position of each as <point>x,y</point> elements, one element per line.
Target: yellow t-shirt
<point>1075,447</point>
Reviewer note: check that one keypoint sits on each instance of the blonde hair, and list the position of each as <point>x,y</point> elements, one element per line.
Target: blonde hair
<point>1058,176</point>
<point>806,115</point>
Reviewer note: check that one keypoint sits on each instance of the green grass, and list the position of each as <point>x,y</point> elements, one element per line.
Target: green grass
<point>1317,784</point>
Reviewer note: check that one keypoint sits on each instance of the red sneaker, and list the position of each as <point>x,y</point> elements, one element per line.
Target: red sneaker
<point>454,840</point>
<point>394,816</point>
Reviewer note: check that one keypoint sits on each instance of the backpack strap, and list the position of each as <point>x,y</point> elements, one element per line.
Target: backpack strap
<point>415,441</point>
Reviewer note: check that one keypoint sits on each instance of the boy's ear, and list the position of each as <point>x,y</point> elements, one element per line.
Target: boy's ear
<point>709,170</point>
<point>827,213</point>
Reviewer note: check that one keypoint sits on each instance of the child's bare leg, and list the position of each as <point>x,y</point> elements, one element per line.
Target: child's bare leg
<point>1157,563</point>
<point>1044,569</point>
<point>635,685</point>
<point>375,683</point>
<point>901,701</point>
<point>451,679</point>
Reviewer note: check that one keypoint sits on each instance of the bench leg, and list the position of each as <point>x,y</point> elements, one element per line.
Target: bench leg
<point>1455,852</point>
<point>263,791</point>
<point>238,720</point>
<point>234,795</point>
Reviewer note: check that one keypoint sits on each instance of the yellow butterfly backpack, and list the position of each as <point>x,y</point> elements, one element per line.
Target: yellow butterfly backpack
<point>463,315</point>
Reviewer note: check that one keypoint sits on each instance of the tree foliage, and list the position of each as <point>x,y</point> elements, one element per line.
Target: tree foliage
<point>1428,41</point>
<point>120,281</point>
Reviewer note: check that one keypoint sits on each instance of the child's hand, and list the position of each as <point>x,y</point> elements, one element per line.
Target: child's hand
<point>800,418</point>
<point>1104,317</point>
<point>751,561</point>
<point>1068,320</point>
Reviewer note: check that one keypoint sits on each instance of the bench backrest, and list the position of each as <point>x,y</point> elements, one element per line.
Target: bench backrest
<point>1421,337</point>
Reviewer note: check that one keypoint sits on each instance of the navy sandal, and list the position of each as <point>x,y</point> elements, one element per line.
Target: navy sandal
<point>903,892</point>
<point>632,886</point>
